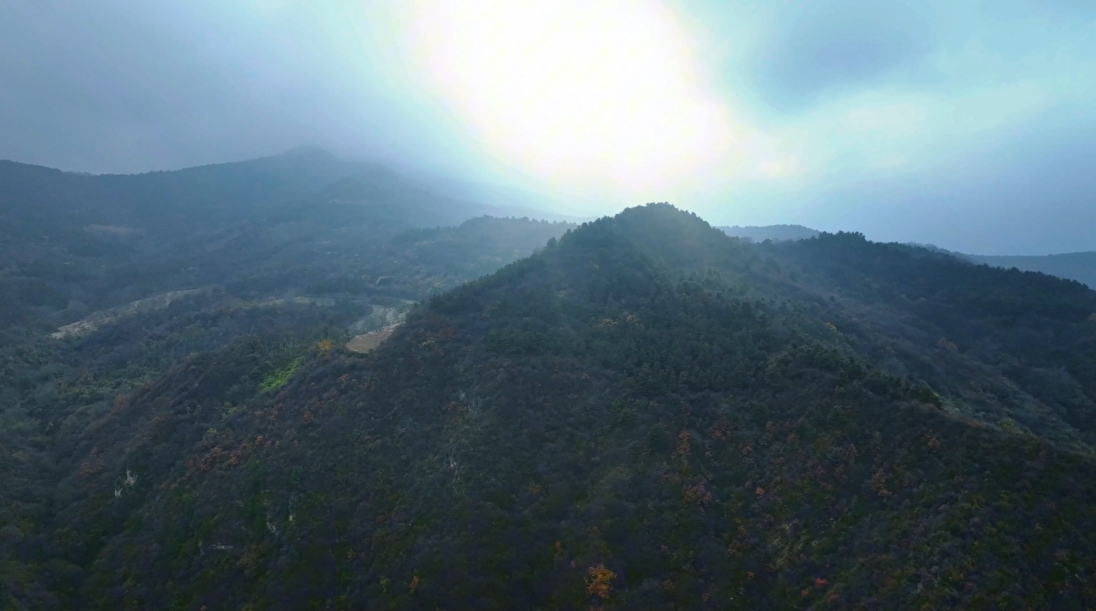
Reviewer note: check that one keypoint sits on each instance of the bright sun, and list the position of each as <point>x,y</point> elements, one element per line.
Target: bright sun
<point>597,92</point>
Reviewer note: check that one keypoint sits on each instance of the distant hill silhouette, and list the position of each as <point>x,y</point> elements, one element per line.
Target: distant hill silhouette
<point>44,202</point>
<point>770,232</point>
<point>75,243</point>
<point>1079,266</point>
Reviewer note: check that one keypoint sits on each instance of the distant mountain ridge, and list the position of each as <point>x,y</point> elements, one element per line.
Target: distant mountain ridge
<point>75,243</point>
<point>770,232</point>
<point>1079,266</point>
<point>170,202</point>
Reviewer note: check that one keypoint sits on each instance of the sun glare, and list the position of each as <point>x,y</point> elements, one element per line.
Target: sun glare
<point>588,91</point>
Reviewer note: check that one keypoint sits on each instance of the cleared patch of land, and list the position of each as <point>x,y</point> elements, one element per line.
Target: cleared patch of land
<point>367,342</point>
<point>141,306</point>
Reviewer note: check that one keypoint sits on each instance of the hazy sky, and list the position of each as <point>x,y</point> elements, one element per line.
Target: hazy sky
<point>967,124</point>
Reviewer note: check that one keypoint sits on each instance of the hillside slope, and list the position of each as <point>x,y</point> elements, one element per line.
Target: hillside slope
<point>107,283</point>
<point>646,414</point>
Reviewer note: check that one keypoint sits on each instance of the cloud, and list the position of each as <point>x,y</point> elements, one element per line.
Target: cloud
<point>961,122</point>
<point>1070,8</point>
<point>832,47</point>
<point>87,87</point>
<point>584,93</point>
<point>137,85</point>
<point>1030,191</point>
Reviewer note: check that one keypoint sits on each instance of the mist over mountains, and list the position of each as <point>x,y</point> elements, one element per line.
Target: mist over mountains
<point>77,243</point>
<point>298,382</point>
<point>563,304</point>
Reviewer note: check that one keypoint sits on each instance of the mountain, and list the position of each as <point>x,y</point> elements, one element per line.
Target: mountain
<point>1079,266</point>
<point>646,413</point>
<point>107,283</point>
<point>44,202</point>
<point>770,232</point>
<point>73,244</point>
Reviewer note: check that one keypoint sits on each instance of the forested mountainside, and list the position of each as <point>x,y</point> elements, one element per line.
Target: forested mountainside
<point>645,414</point>
<point>1079,266</point>
<point>108,282</point>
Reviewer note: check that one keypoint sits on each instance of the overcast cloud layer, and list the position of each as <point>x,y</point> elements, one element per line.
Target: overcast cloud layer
<point>967,124</point>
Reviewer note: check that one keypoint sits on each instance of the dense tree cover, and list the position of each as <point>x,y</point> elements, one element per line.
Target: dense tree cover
<point>645,414</point>
<point>51,390</point>
<point>1017,349</point>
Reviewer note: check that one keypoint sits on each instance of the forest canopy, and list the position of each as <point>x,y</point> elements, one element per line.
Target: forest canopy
<point>639,412</point>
